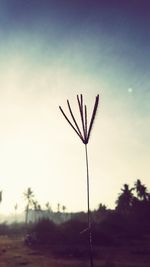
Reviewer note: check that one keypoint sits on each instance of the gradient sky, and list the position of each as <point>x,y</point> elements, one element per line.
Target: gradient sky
<point>54,50</point>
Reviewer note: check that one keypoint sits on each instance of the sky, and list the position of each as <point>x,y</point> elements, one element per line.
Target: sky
<point>50,51</point>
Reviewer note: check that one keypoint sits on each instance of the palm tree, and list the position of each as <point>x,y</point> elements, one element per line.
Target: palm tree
<point>102,208</point>
<point>125,199</point>
<point>29,197</point>
<point>64,208</point>
<point>36,209</point>
<point>1,196</point>
<point>1,192</point>
<point>48,207</point>
<point>141,190</point>
<point>15,208</point>
<point>58,207</point>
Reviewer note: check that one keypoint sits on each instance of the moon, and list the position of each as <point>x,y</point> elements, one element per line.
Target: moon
<point>130,90</point>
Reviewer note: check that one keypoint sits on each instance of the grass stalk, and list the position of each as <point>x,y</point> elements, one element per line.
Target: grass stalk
<point>88,209</point>
<point>84,135</point>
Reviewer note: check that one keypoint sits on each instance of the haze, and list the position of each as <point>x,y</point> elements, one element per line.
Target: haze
<point>51,51</point>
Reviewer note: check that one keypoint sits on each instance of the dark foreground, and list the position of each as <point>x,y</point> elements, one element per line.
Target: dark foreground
<point>14,253</point>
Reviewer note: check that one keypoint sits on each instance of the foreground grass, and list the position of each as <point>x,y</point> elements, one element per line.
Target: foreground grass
<point>14,253</point>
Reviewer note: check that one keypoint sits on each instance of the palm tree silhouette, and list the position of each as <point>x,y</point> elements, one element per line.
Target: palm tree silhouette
<point>141,190</point>
<point>15,208</point>
<point>1,192</point>
<point>64,208</point>
<point>37,209</point>
<point>58,207</point>
<point>29,197</point>
<point>125,199</point>
<point>102,207</point>
<point>48,207</point>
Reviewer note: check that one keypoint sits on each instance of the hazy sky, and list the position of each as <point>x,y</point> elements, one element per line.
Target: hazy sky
<point>54,50</point>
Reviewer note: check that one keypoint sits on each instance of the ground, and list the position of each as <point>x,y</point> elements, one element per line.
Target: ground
<point>14,253</point>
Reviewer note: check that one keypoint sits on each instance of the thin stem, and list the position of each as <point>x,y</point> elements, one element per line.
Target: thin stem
<point>80,103</point>
<point>93,116</point>
<point>88,206</point>
<point>85,119</point>
<point>74,118</point>
<point>70,123</point>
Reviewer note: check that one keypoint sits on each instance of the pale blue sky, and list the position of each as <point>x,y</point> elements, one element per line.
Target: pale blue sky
<point>51,51</point>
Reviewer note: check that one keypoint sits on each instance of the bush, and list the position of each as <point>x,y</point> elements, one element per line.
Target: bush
<point>46,232</point>
<point>73,233</point>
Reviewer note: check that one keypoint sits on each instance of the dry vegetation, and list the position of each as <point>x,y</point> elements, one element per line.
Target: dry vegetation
<point>14,253</point>
<point>121,237</point>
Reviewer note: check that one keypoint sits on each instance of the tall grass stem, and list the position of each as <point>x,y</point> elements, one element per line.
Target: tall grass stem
<point>88,207</point>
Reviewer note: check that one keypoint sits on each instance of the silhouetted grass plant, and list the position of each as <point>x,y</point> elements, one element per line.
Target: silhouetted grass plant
<point>84,135</point>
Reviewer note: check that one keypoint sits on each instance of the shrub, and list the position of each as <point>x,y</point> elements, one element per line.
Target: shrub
<point>46,232</point>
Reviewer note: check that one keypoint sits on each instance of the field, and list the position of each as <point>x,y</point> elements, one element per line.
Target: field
<point>14,253</point>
